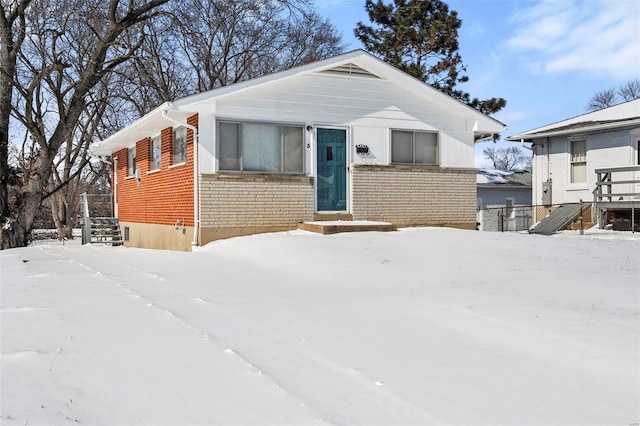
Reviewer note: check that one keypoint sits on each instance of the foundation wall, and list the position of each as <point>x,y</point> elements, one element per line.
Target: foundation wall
<point>163,237</point>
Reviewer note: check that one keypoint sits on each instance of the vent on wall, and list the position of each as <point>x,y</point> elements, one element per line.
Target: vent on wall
<point>350,69</point>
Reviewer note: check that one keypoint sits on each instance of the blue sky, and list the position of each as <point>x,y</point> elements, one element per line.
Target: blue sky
<point>546,58</point>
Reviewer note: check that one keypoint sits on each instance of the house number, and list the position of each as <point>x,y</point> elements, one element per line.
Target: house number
<point>308,145</point>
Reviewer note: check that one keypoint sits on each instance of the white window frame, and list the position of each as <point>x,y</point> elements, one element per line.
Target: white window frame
<point>575,162</point>
<point>155,163</point>
<point>239,146</point>
<point>131,161</point>
<point>413,146</point>
<point>179,146</point>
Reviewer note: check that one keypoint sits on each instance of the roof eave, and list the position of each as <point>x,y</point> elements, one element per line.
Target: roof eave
<point>528,137</point>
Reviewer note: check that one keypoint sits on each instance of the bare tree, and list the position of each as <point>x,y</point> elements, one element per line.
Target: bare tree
<point>13,28</point>
<point>72,46</point>
<point>89,67</point>
<point>225,42</point>
<point>68,178</point>
<point>630,90</point>
<point>610,97</point>
<point>602,99</point>
<point>511,158</point>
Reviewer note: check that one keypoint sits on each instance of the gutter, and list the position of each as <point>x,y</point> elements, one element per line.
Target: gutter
<point>196,220</point>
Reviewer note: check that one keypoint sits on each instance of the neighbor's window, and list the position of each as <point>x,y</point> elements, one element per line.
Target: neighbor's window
<point>131,161</point>
<point>578,161</point>
<point>258,147</point>
<point>179,145</point>
<point>156,153</point>
<point>414,147</point>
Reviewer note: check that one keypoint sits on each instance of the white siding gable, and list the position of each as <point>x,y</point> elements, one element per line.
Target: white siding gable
<point>369,107</point>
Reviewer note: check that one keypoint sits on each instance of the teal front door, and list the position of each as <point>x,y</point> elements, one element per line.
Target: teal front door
<point>332,169</point>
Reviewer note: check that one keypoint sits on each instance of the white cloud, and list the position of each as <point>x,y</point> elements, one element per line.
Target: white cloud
<point>594,37</point>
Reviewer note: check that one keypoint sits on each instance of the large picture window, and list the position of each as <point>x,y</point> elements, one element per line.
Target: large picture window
<point>414,147</point>
<point>156,153</point>
<point>131,157</point>
<point>179,145</point>
<point>578,161</point>
<point>259,147</point>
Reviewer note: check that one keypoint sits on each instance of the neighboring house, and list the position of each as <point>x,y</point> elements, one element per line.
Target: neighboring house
<point>504,200</point>
<point>350,135</point>
<point>592,157</point>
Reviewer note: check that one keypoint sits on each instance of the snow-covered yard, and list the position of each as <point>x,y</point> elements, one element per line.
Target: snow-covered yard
<point>420,326</point>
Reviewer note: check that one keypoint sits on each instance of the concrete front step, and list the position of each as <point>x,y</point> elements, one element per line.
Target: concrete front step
<point>335,227</point>
<point>332,217</point>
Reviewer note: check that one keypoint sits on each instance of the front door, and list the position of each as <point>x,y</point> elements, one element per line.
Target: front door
<point>332,169</point>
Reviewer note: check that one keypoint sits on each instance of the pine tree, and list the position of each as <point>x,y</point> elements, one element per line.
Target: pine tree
<point>420,37</point>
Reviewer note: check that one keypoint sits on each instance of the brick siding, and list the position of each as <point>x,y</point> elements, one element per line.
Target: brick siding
<point>161,196</point>
<point>414,195</point>
<point>255,200</point>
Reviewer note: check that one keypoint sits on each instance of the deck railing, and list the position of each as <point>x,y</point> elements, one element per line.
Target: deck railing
<point>617,188</point>
<point>617,183</point>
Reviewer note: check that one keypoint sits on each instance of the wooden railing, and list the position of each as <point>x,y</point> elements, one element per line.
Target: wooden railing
<point>617,184</point>
<point>617,188</point>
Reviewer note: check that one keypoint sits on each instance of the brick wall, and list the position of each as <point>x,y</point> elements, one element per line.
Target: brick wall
<point>255,200</point>
<point>414,195</point>
<point>161,196</point>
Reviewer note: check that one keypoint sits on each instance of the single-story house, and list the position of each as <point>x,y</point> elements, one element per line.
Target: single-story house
<point>504,200</point>
<point>349,136</point>
<point>593,157</point>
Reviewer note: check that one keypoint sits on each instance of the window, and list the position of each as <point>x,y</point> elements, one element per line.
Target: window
<point>179,145</point>
<point>578,161</point>
<point>414,147</point>
<point>131,156</point>
<point>156,153</point>
<point>259,147</point>
<point>508,211</point>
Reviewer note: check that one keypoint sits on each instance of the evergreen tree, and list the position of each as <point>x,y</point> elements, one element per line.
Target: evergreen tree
<point>420,37</point>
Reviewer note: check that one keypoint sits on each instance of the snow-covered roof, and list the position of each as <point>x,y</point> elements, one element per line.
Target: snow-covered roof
<point>622,115</point>
<point>511,178</point>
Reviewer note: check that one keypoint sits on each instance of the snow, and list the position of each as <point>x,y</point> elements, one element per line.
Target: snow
<point>495,176</point>
<point>424,326</point>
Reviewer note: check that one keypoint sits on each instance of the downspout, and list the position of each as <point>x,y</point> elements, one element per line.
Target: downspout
<point>196,224</point>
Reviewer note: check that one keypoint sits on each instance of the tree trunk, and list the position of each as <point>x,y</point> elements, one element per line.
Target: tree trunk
<point>8,67</point>
<point>63,214</point>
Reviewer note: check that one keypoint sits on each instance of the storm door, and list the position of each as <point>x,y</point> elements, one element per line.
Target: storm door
<point>332,169</point>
